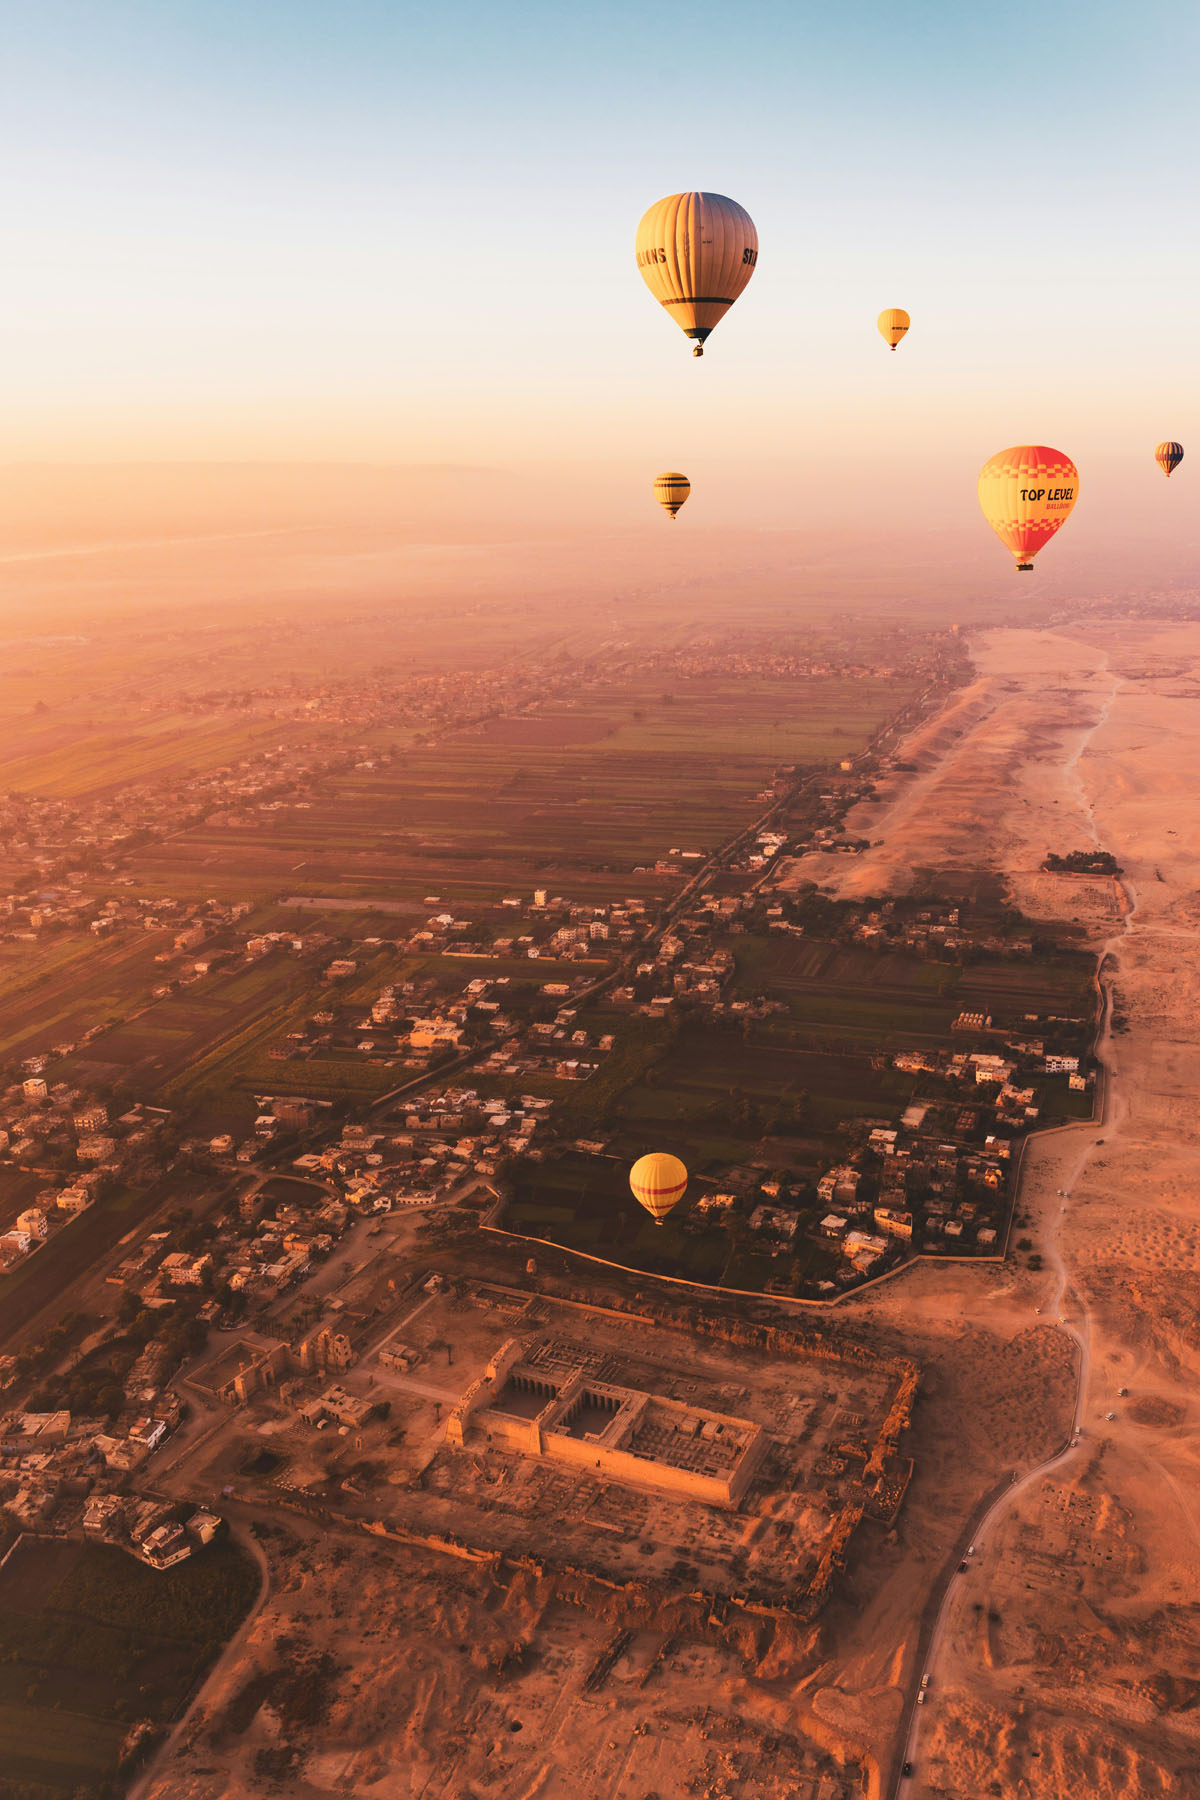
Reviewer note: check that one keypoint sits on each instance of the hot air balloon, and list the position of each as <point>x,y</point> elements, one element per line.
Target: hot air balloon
<point>893,322</point>
<point>1026,493</point>
<point>1168,456</point>
<point>696,253</point>
<point>671,489</point>
<point>658,1182</point>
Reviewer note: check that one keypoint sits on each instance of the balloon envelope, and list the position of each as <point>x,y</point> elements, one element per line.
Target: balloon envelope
<point>1026,494</point>
<point>671,489</point>
<point>696,252</point>
<point>1168,456</point>
<point>893,322</point>
<point>658,1182</point>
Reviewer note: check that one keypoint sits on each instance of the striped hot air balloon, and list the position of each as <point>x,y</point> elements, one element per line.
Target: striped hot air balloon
<point>1026,494</point>
<point>696,252</point>
<point>1168,456</point>
<point>658,1182</point>
<point>893,322</point>
<point>671,489</point>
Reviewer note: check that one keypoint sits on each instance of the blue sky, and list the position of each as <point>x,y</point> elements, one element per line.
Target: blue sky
<point>360,230</point>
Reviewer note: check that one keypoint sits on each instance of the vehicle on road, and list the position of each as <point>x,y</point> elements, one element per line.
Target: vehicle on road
<point>907,1769</point>
<point>924,1681</point>
<point>921,1698</point>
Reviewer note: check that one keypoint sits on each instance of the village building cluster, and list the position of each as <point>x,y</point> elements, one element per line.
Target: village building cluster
<point>497,1021</point>
<point>77,1146</point>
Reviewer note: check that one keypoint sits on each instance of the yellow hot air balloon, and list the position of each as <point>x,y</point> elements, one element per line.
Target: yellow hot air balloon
<point>1026,494</point>
<point>1168,456</point>
<point>893,322</point>
<point>671,489</point>
<point>658,1182</point>
<point>696,253</point>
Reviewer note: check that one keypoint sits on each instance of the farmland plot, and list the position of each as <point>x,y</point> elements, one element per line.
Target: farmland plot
<point>64,988</point>
<point>90,763</point>
<point>123,1641</point>
<point>583,793</point>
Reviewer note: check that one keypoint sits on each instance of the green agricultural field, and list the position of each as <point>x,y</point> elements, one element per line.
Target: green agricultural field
<point>323,1077</point>
<point>579,795</point>
<point>1065,987</point>
<point>227,1058</point>
<point>208,1043</point>
<point>713,1083</point>
<point>84,762</point>
<point>862,993</point>
<point>122,1642</point>
<point>26,965</point>
<point>179,1042</point>
<point>60,989</point>
<point>584,1203</point>
<point>773,1093</point>
<point>58,1749</point>
<point>214,1073</point>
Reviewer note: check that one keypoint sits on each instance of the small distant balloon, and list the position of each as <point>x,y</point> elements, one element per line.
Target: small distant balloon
<point>1168,456</point>
<point>1027,493</point>
<point>671,489</point>
<point>696,252</point>
<point>893,322</point>
<point>658,1182</point>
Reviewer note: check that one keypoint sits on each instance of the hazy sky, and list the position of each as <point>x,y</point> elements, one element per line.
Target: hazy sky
<point>355,229</point>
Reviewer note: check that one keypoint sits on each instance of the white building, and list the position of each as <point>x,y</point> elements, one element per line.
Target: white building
<point>863,1249</point>
<point>95,1148</point>
<point>182,1270</point>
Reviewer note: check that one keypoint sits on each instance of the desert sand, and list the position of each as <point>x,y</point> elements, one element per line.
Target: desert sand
<point>1067,1660</point>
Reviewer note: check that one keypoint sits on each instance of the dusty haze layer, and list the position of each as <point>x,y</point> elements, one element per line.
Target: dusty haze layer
<point>81,543</point>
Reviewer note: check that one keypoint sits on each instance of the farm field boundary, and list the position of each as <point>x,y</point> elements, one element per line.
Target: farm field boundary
<point>708,1287</point>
